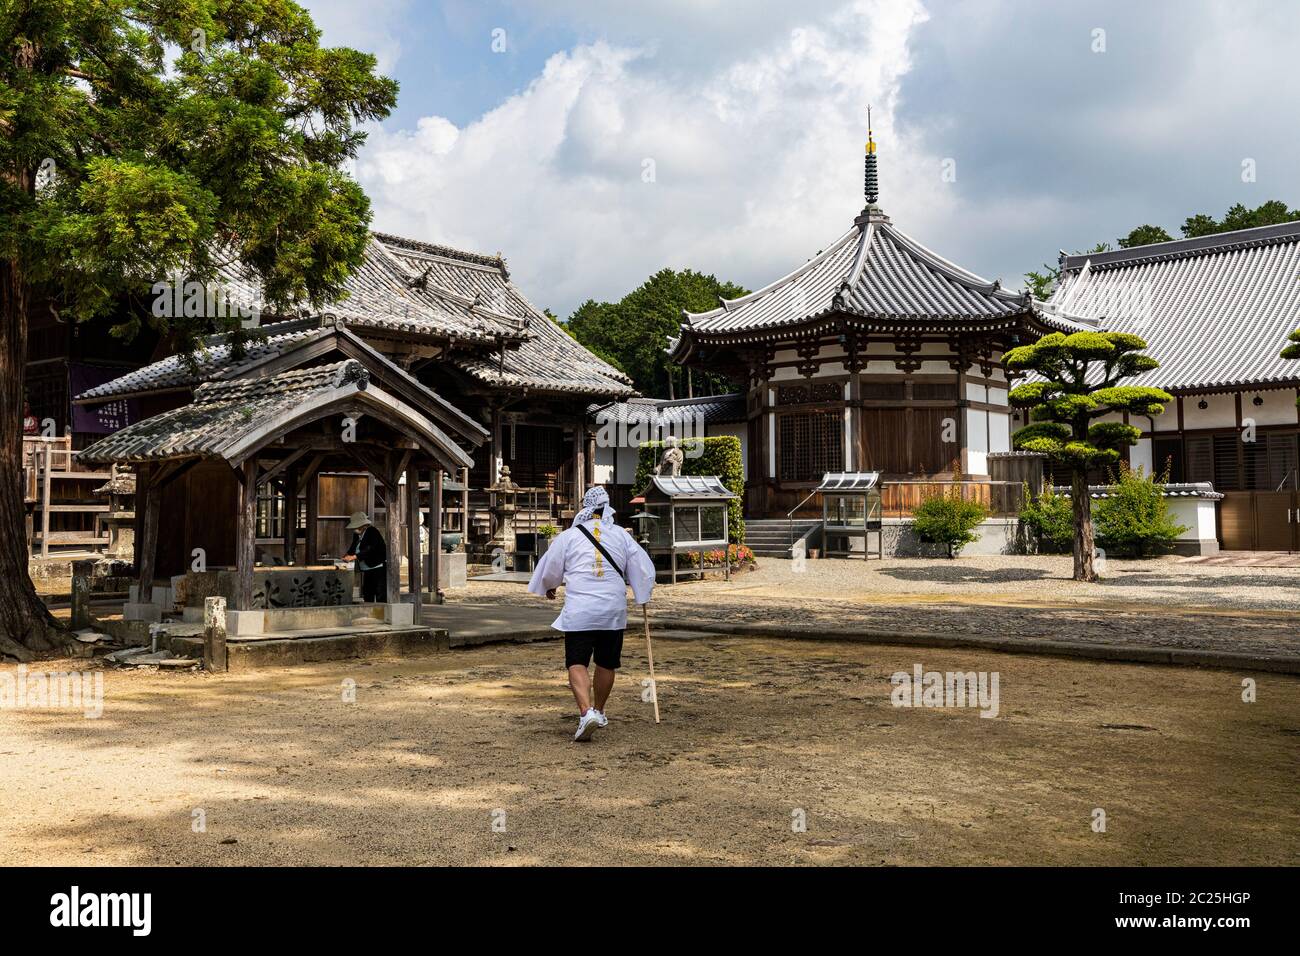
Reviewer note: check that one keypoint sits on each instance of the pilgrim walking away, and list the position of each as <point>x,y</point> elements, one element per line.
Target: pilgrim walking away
<point>371,556</point>
<point>596,561</point>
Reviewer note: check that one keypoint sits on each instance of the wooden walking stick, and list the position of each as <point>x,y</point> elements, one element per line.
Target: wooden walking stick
<point>650,655</point>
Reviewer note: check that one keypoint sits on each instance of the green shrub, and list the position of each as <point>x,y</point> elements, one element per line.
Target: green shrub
<point>1049,518</point>
<point>547,531</point>
<point>1134,518</point>
<point>948,519</point>
<point>720,456</point>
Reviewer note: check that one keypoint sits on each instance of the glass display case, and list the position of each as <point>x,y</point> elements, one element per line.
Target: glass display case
<point>851,510</point>
<point>686,513</point>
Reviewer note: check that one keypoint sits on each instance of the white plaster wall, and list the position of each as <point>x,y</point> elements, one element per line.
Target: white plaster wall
<point>977,441</point>
<point>999,431</point>
<point>1279,407</point>
<point>976,392</point>
<point>1139,456</point>
<point>1220,412</point>
<point>602,467</point>
<point>1195,514</point>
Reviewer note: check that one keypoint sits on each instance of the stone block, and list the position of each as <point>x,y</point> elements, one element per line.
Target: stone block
<point>452,571</point>
<point>399,614</point>
<point>134,611</point>
<point>243,623</point>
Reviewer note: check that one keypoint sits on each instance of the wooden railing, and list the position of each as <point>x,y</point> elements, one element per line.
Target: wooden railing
<point>61,510</point>
<point>899,499</point>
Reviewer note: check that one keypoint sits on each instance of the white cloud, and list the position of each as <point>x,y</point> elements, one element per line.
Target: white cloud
<point>757,158</point>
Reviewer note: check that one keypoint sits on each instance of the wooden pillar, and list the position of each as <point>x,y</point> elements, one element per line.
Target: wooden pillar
<point>148,530</point>
<point>291,516</point>
<point>591,457</point>
<point>414,560</point>
<point>464,506</point>
<point>579,465</point>
<point>426,559</point>
<point>46,468</point>
<point>311,534</point>
<point>246,537</point>
<point>435,532</point>
<point>393,539</point>
<point>494,464</point>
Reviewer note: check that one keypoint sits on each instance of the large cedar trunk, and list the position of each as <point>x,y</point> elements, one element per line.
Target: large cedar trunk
<point>26,627</point>
<point>1083,540</point>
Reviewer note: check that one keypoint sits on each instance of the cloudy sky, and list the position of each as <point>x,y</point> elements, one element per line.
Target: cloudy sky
<point>596,142</point>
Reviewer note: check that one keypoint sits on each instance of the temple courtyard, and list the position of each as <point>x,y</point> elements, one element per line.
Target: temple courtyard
<point>781,739</point>
<point>770,751</point>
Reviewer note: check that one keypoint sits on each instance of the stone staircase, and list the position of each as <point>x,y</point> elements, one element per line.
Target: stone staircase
<point>770,537</point>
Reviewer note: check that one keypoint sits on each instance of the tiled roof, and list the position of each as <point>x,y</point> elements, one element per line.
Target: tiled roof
<point>220,413</point>
<point>1215,311</point>
<point>878,272</point>
<point>548,359</point>
<point>413,290</point>
<point>212,360</point>
<point>225,417</point>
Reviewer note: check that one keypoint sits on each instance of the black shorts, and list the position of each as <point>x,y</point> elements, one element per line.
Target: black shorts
<point>607,645</point>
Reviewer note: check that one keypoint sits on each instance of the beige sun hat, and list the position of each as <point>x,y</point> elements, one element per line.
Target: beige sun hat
<point>359,519</point>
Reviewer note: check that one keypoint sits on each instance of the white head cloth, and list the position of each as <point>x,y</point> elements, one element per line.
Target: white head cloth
<point>596,498</point>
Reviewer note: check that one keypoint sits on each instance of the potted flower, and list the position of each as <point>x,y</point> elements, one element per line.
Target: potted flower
<point>544,535</point>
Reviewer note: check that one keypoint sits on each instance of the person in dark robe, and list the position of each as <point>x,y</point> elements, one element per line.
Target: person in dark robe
<point>370,553</point>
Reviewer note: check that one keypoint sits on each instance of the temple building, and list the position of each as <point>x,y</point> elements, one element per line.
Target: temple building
<point>1215,311</point>
<point>877,354</point>
<point>433,375</point>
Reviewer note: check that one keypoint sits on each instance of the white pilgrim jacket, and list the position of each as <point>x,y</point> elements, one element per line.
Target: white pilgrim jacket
<point>595,597</point>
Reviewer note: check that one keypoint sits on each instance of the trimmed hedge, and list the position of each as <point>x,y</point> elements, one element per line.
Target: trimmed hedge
<point>721,457</point>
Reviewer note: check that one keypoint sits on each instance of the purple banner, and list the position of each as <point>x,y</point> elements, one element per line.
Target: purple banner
<point>99,419</point>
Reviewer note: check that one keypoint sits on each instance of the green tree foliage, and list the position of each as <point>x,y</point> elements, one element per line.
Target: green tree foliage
<point>1076,381</point>
<point>145,140</point>
<point>1134,517</point>
<point>719,455</point>
<point>948,519</point>
<point>1292,351</point>
<point>1144,236</point>
<point>632,334</point>
<point>1239,217</point>
<point>1048,518</point>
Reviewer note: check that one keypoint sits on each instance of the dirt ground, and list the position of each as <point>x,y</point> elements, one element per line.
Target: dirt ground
<point>757,734</point>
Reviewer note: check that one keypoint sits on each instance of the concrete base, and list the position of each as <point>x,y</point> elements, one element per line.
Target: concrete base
<point>452,570</point>
<point>401,615</point>
<point>244,623</point>
<point>308,649</point>
<point>134,611</point>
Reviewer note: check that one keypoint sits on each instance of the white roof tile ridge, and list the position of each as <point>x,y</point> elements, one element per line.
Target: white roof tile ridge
<point>729,304</point>
<point>860,260</point>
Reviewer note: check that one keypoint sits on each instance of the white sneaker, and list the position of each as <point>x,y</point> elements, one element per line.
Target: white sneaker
<point>587,726</point>
<point>600,716</point>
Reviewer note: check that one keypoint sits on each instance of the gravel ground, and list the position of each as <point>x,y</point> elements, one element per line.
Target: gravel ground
<point>756,735</point>
<point>1161,603</point>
